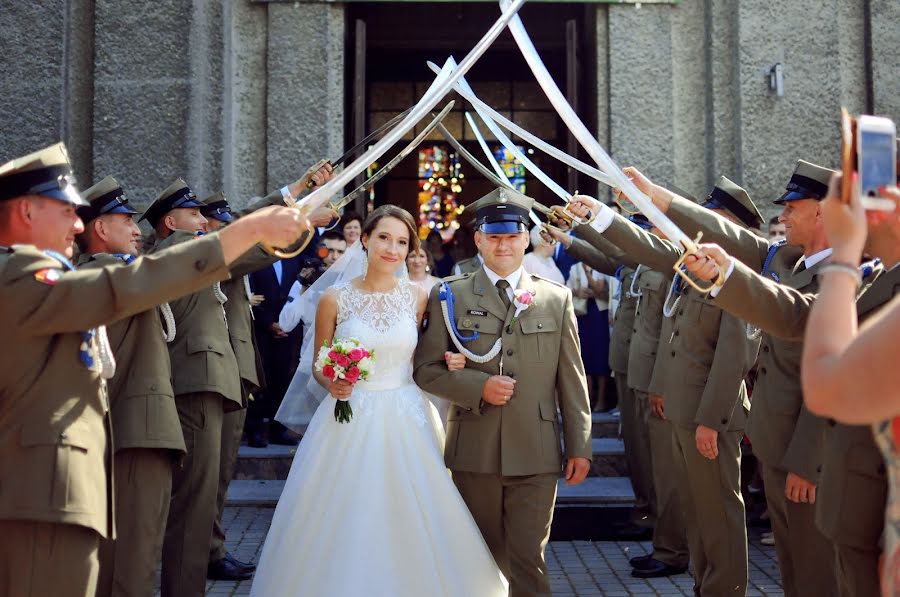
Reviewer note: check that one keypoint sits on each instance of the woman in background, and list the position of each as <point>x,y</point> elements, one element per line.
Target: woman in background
<point>590,296</point>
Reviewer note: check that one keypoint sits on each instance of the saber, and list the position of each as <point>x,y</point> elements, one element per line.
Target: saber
<point>436,91</point>
<point>493,162</point>
<point>468,94</point>
<point>373,135</point>
<point>382,172</point>
<point>606,163</point>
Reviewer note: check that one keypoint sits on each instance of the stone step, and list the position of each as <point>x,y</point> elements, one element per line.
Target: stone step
<point>605,424</point>
<point>274,461</point>
<point>598,492</point>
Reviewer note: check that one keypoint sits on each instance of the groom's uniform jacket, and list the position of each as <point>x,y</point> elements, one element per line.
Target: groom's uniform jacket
<point>540,351</point>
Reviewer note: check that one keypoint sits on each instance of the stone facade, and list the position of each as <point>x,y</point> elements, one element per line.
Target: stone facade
<point>244,95</point>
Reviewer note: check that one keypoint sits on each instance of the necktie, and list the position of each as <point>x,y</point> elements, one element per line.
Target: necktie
<point>502,286</point>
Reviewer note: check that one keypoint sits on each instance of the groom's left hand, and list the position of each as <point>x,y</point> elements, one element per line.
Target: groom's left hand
<point>576,470</point>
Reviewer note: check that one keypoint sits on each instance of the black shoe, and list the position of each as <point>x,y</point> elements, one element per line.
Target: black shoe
<point>245,566</point>
<point>656,569</point>
<point>285,438</point>
<point>640,561</point>
<point>224,569</point>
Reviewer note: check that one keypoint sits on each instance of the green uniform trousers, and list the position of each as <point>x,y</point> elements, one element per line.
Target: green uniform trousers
<point>143,485</point>
<point>710,491</point>
<point>670,544</point>
<point>44,559</point>
<point>801,548</point>
<point>194,486</point>
<point>232,429</point>
<point>856,571</point>
<point>514,515</point>
<point>637,452</point>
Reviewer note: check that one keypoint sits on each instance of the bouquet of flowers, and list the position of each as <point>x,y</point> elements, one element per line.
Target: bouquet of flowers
<point>347,360</point>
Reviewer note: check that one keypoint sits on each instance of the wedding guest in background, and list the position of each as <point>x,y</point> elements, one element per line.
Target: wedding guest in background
<point>443,260</point>
<point>776,230</point>
<point>590,297</point>
<point>420,264</point>
<point>540,260</point>
<point>351,227</point>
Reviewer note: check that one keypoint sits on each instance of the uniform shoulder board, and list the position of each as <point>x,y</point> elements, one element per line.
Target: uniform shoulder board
<point>539,277</point>
<point>456,278</point>
<point>871,269</point>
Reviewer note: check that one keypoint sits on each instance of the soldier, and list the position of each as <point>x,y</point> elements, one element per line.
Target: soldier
<point>648,289</point>
<point>787,438</point>
<point>503,428</point>
<point>222,564</point>
<point>147,439</point>
<point>705,359</point>
<point>607,258</point>
<point>852,489</point>
<point>54,430</point>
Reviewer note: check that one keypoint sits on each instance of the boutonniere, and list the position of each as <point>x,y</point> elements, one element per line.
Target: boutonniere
<point>522,300</point>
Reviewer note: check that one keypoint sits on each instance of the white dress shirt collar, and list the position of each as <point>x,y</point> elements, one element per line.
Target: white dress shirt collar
<point>817,257</point>
<point>513,278</point>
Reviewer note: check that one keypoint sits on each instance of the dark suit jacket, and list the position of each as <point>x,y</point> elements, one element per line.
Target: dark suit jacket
<point>265,282</point>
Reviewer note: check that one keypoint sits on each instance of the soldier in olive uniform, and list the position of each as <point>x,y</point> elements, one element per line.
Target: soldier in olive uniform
<point>54,424</point>
<point>468,266</point>
<point>607,258</point>
<point>705,359</point>
<point>503,436</point>
<point>648,287</point>
<point>852,489</point>
<point>207,384</point>
<point>222,564</point>
<point>787,438</point>
<point>147,439</point>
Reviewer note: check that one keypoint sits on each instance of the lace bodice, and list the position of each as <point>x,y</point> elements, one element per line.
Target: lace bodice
<point>384,322</point>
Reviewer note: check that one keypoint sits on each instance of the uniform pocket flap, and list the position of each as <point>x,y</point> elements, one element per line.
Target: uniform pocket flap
<point>651,281</point>
<point>477,323</point>
<point>75,435</point>
<point>548,412</point>
<point>538,324</point>
<point>205,344</point>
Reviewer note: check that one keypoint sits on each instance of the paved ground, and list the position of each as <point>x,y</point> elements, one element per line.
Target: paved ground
<point>577,568</point>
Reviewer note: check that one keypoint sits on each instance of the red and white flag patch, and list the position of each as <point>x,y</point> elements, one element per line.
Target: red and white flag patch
<point>48,275</point>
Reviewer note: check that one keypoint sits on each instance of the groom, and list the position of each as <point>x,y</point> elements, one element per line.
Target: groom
<point>503,434</point>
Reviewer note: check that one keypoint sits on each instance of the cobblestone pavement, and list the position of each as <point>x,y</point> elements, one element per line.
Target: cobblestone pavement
<point>577,568</point>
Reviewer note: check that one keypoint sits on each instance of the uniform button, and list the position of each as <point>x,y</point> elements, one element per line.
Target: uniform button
<point>153,387</point>
<point>63,435</point>
<point>477,326</point>
<point>765,349</point>
<point>512,375</point>
<point>819,469</point>
<point>762,371</point>
<point>653,354</point>
<point>681,311</point>
<point>209,347</point>
<point>832,422</point>
<point>509,352</point>
<point>200,265</point>
<point>509,329</point>
<point>677,332</point>
<point>673,353</point>
<point>540,326</point>
<point>724,421</point>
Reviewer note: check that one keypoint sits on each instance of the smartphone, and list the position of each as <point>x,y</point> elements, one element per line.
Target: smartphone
<point>876,153</point>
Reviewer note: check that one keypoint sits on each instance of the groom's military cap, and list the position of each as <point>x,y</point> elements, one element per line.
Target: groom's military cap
<point>809,181</point>
<point>45,172</point>
<point>641,221</point>
<point>177,195</point>
<point>502,211</point>
<point>733,198</point>
<point>216,206</point>
<point>105,197</point>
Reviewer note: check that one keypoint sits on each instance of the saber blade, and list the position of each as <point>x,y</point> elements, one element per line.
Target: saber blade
<point>587,140</point>
<point>438,89</point>
<point>371,136</point>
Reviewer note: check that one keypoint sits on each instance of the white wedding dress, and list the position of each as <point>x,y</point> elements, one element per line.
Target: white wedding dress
<point>369,509</point>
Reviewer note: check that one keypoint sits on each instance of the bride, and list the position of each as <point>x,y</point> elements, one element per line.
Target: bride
<point>369,507</point>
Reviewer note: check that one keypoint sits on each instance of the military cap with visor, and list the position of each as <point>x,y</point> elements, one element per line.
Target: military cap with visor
<point>502,211</point>
<point>46,173</point>
<point>177,195</point>
<point>808,181</point>
<point>105,197</point>
<point>216,206</point>
<point>734,199</point>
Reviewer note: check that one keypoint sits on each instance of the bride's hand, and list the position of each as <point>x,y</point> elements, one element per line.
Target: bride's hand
<point>340,389</point>
<point>455,361</point>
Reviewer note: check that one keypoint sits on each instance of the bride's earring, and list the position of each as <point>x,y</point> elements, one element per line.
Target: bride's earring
<point>427,269</point>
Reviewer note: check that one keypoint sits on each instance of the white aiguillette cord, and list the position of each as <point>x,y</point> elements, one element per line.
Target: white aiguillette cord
<point>168,322</point>
<point>104,351</point>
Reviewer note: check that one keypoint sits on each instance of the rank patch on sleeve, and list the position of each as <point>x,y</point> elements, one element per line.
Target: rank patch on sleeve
<point>48,275</point>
